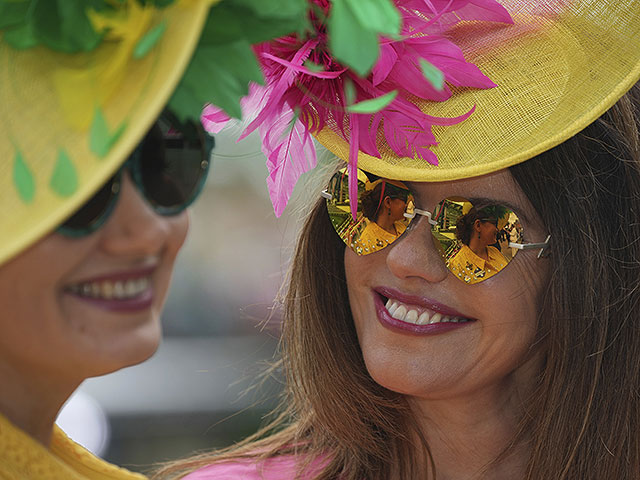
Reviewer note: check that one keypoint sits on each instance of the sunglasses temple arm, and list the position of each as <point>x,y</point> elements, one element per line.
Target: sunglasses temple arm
<point>529,246</point>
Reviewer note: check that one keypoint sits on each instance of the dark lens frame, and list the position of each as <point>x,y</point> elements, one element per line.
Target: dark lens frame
<point>95,221</point>
<point>134,164</point>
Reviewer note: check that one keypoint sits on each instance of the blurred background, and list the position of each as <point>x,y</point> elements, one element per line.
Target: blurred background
<point>220,327</point>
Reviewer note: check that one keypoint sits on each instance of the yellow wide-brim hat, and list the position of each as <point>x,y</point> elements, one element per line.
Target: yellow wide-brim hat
<point>560,66</point>
<point>68,121</point>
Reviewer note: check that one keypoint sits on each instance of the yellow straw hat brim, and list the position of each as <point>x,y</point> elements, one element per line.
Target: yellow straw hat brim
<point>558,68</point>
<point>49,106</point>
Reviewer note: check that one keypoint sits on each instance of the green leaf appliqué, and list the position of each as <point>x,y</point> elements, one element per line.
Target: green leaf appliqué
<point>433,74</point>
<point>64,180</point>
<point>373,105</point>
<point>349,91</point>
<point>23,178</point>
<point>149,39</point>
<point>100,138</point>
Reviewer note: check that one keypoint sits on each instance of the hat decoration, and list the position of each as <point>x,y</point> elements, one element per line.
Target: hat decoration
<point>320,78</point>
<point>82,81</point>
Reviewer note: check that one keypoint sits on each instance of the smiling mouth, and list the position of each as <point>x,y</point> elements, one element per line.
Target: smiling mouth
<point>111,290</point>
<point>414,314</point>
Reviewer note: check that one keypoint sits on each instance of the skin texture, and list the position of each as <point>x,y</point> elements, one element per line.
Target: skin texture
<point>52,340</point>
<point>466,385</point>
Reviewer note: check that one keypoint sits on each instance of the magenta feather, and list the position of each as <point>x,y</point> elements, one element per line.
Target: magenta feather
<point>319,100</point>
<point>290,152</point>
<point>213,119</point>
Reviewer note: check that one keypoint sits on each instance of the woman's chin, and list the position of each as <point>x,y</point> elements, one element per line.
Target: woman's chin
<point>130,350</point>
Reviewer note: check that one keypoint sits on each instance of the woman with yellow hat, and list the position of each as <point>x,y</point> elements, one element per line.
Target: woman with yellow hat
<point>94,193</point>
<point>400,365</point>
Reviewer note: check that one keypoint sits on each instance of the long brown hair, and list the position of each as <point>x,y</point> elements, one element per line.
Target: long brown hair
<point>584,422</point>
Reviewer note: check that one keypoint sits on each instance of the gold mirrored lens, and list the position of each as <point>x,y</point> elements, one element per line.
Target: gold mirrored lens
<point>474,239</point>
<point>381,208</point>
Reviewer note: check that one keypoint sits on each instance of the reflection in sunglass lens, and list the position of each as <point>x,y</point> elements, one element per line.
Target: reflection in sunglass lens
<point>381,209</point>
<point>172,170</point>
<point>474,240</point>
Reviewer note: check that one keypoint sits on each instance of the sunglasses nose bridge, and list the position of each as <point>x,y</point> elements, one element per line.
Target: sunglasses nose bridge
<point>414,255</point>
<point>424,213</point>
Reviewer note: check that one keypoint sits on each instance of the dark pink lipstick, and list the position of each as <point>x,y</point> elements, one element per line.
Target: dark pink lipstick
<point>381,294</point>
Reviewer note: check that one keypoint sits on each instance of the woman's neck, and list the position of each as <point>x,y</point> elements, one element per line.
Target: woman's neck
<point>479,248</point>
<point>467,435</point>
<point>32,402</point>
<point>385,222</point>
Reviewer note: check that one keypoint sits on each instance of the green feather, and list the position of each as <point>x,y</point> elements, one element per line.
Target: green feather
<point>13,13</point>
<point>354,27</point>
<point>224,62</point>
<point>63,25</point>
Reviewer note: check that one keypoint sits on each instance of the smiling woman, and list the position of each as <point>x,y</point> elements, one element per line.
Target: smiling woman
<point>496,337</point>
<point>93,194</point>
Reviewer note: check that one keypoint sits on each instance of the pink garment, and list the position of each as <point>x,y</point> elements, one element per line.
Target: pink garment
<point>277,468</point>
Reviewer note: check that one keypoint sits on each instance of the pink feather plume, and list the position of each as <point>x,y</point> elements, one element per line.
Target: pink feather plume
<point>318,97</point>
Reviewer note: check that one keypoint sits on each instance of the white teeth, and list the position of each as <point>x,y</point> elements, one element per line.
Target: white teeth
<point>406,313</point>
<point>107,290</point>
<point>412,316</point>
<point>130,288</point>
<point>120,290</point>
<point>143,284</point>
<point>400,312</point>
<point>392,308</point>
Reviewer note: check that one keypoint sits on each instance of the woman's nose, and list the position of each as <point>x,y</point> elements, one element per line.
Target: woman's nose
<point>136,229</point>
<point>414,255</point>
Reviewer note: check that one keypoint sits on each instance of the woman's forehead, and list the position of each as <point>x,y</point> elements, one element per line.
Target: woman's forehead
<point>498,186</point>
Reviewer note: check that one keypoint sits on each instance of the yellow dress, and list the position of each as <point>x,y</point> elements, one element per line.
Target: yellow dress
<point>473,269</point>
<point>23,458</point>
<point>374,237</point>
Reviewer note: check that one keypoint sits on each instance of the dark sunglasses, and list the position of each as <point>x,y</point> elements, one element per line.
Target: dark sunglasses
<point>168,167</point>
<point>471,251</point>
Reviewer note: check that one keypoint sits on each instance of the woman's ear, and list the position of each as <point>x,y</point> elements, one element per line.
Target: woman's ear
<point>476,225</point>
<point>387,202</point>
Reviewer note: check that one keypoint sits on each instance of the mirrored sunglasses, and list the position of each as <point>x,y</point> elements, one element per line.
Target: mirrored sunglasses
<point>169,168</point>
<point>476,241</point>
